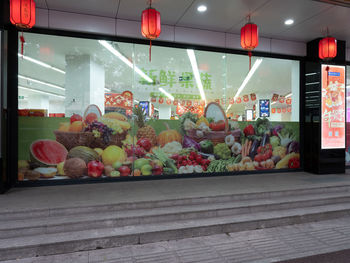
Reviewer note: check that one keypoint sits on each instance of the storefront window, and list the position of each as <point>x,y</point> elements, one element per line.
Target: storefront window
<point>96,108</point>
<point>347,149</point>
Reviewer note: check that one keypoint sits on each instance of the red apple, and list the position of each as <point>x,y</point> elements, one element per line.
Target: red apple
<point>95,169</point>
<point>124,170</point>
<point>75,117</point>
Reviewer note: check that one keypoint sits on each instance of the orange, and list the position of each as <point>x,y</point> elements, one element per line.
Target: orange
<point>76,126</point>
<point>64,126</point>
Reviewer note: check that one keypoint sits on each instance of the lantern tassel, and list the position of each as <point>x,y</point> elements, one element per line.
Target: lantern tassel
<point>22,43</point>
<point>150,48</point>
<point>327,69</point>
<point>250,59</point>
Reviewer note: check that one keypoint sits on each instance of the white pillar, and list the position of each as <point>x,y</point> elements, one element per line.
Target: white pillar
<point>295,91</point>
<point>84,83</point>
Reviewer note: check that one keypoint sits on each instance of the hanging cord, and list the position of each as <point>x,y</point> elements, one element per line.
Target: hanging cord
<point>150,41</point>
<point>250,59</point>
<point>150,48</point>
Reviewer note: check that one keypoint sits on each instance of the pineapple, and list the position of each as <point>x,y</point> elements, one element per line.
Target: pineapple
<point>144,131</point>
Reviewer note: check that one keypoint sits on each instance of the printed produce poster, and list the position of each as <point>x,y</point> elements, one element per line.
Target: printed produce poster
<point>333,107</point>
<point>111,145</point>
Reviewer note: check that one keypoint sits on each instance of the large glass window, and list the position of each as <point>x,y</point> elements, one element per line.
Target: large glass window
<point>97,108</point>
<point>347,149</point>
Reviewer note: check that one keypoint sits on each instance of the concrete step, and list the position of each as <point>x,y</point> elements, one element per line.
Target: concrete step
<point>6,215</point>
<point>86,221</point>
<point>59,243</point>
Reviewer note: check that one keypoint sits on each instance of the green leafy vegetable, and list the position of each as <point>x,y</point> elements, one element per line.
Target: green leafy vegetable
<point>187,115</point>
<point>262,126</point>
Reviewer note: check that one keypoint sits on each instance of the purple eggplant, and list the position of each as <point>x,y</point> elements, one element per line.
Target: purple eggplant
<point>265,139</point>
<point>254,149</point>
<point>293,146</point>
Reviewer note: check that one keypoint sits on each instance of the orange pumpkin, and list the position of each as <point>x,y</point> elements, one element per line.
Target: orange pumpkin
<point>168,136</point>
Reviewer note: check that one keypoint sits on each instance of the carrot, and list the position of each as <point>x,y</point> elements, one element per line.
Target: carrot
<point>249,146</point>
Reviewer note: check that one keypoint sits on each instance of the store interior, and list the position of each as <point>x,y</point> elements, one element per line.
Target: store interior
<point>63,75</point>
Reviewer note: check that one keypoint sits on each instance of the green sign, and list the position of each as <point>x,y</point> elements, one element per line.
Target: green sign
<point>168,79</point>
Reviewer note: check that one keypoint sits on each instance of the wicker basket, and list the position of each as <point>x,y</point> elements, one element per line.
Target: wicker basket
<point>214,136</point>
<point>73,139</point>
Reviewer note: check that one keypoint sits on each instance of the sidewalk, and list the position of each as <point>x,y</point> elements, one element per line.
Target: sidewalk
<point>257,246</point>
<point>154,190</point>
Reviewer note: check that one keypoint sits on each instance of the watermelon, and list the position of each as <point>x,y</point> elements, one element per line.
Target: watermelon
<point>47,153</point>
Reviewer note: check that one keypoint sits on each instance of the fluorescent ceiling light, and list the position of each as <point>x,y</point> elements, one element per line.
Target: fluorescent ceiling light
<point>289,22</point>
<point>42,92</point>
<point>192,57</point>
<point>247,78</point>
<point>43,64</point>
<point>107,90</point>
<point>249,75</point>
<point>136,101</point>
<point>166,93</point>
<point>274,102</point>
<point>202,8</point>
<point>288,95</point>
<point>125,60</point>
<point>41,82</point>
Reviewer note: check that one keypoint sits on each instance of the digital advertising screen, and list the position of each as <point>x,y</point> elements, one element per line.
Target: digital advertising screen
<point>264,108</point>
<point>333,107</point>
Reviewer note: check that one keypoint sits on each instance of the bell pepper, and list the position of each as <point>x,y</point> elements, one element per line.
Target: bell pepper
<point>294,163</point>
<point>249,130</point>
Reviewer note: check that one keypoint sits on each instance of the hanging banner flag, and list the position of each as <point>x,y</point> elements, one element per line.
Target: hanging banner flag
<point>289,101</point>
<point>196,103</point>
<point>116,100</point>
<point>154,99</point>
<point>333,107</point>
<point>275,97</point>
<point>232,101</point>
<point>188,103</point>
<point>253,96</point>
<point>161,100</point>
<point>175,102</point>
<point>289,109</point>
<point>273,110</point>
<point>281,99</point>
<point>284,110</point>
<point>278,110</point>
<point>245,98</point>
<point>202,103</point>
<point>168,101</point>
<point>238,100</point>
<point>182,102</point>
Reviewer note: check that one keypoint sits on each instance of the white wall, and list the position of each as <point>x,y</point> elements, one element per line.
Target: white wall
<point>118,27</point>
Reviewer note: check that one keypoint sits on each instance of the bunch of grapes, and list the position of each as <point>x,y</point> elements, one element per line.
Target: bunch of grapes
<point>100,130</point>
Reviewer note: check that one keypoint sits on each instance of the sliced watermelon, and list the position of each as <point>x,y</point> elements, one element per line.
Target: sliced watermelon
<point>47,153</point>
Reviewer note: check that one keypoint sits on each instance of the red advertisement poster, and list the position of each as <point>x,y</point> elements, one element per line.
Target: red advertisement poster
<point>333,107</point>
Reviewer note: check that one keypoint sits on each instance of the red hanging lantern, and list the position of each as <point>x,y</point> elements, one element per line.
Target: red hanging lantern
<point>327,48</point>
<point>22,15</point>
<point>249,38</point>
<point>150,25</point>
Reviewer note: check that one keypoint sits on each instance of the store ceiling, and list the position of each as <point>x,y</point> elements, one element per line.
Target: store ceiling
<point>311,17</point>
